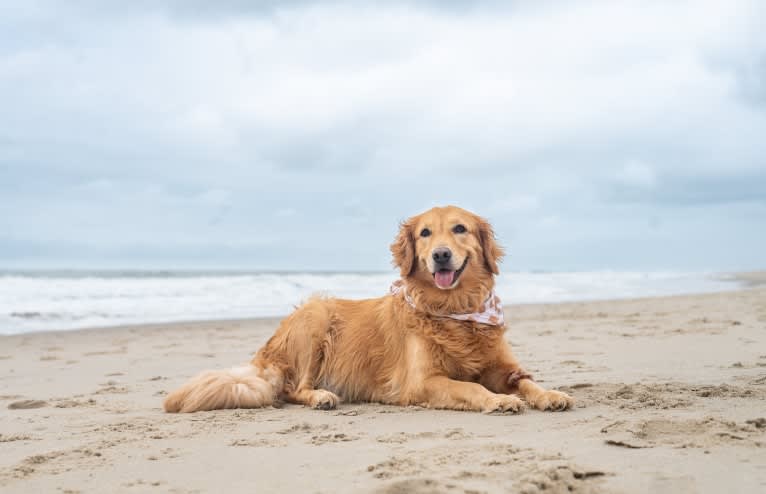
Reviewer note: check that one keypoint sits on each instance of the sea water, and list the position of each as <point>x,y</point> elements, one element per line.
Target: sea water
<point>59,300</point>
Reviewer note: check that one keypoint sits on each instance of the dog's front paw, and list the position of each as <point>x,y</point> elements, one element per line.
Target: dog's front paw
<point>504,403</point>
<point>555,401</point>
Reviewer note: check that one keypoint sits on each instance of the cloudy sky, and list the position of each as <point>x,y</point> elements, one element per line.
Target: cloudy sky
<point>296,135</point>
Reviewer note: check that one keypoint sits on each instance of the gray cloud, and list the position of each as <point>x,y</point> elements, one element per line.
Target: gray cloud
<point>177,131</point>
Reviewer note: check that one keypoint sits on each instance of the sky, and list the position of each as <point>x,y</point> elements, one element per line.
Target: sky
<point>297,135</point>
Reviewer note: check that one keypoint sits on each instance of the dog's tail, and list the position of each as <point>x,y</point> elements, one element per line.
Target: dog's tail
<point>249,386</point>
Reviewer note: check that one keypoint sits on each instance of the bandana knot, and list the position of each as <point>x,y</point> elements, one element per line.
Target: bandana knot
<point>490,312</point>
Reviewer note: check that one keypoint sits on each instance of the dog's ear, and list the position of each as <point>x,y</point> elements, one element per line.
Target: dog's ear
<point>493,253</point>
<point>403,249</point>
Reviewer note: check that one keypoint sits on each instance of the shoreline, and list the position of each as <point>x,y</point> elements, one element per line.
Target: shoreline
<point>746,280</point>
<point>670,395</point>
<point>37,305</point>
<point>749,279</point>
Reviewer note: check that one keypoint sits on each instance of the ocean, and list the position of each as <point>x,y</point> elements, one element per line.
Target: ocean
<point>62,300</point>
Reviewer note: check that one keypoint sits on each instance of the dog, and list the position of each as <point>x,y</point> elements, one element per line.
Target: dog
<point>436,341</point>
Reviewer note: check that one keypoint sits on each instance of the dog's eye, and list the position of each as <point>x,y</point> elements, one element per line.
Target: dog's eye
<point>458,229</point>
<point>425,232</point>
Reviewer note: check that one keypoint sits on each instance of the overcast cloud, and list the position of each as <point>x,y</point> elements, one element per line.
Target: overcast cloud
<point>295,135</point>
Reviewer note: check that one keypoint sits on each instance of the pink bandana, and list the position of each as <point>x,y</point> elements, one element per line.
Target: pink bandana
<point>491,310</point>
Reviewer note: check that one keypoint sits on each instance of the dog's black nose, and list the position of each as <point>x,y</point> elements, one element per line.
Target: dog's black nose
<point>442,255</point>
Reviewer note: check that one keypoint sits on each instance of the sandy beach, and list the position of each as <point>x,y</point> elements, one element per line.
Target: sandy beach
<point>671,398</point>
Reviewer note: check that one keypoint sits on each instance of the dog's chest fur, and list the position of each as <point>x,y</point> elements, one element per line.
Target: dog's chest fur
<point>462,348</point>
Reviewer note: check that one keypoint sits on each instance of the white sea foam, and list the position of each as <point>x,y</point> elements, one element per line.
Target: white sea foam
<point>58,301</point>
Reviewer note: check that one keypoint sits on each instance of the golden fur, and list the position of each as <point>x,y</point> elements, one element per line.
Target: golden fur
<point>382,349</point>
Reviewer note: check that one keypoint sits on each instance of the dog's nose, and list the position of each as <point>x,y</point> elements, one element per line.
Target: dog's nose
<point>442,255</point>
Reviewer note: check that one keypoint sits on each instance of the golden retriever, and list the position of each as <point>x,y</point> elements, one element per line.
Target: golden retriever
<point>415,346</point>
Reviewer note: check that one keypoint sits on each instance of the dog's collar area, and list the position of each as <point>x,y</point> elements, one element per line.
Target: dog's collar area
<point>491,311</point>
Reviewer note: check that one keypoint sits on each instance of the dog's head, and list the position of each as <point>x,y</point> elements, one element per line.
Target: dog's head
<point>447,248</point>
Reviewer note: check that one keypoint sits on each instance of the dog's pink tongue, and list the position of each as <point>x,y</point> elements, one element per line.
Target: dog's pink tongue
<point>444,278</point>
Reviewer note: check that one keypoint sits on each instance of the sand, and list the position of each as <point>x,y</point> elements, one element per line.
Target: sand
<point>671,398</point>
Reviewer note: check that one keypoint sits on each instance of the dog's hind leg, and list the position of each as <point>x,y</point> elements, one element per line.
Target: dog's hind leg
<point>306,392</point>
<point>307,338</point>
<point>288,366</point>
<point>320,399</point>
